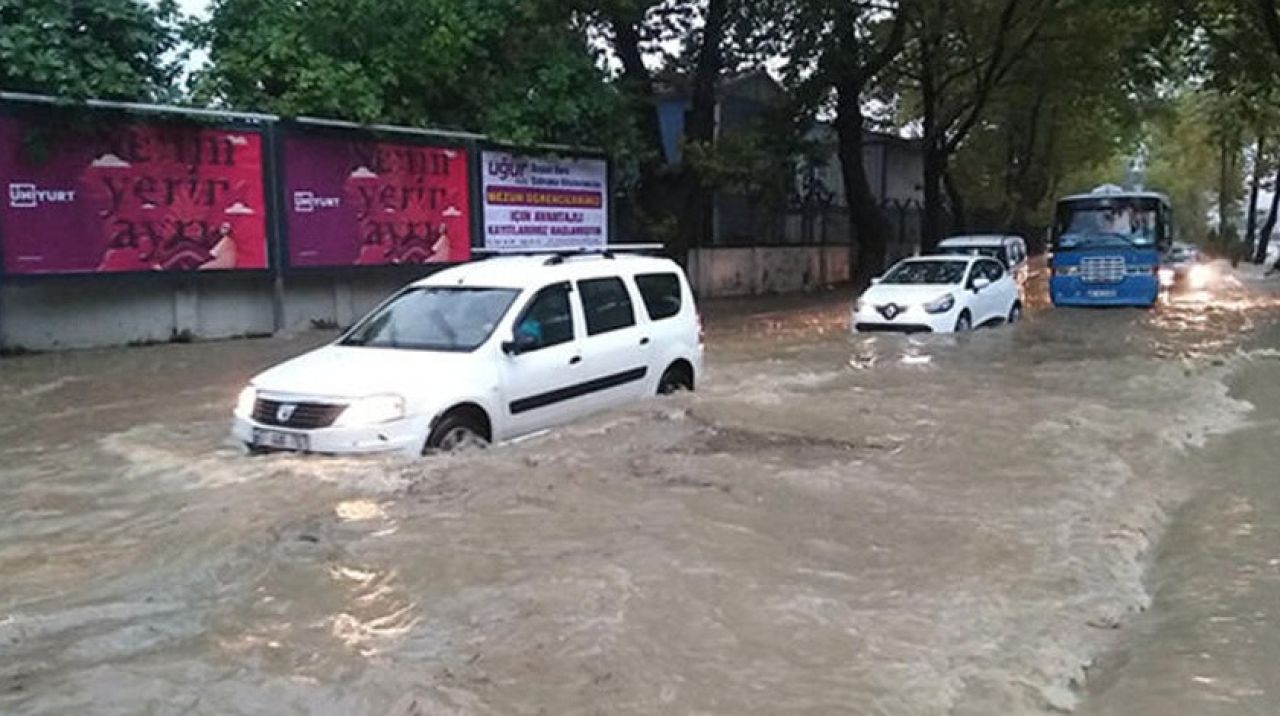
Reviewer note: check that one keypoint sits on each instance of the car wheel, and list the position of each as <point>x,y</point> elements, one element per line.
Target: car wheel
<point>456,433</point>
<point>1015,313</point>
<point>676,378</point>
<point>964,323</point>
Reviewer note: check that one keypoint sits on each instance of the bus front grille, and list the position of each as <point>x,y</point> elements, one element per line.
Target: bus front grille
<point>1102,269</point>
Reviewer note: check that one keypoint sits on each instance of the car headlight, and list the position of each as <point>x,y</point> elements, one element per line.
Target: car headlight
<point>1066,271</point>
<point>1167,276</point>
<point>245,403</point>
<point>371,411</point>
<point>942,304</point>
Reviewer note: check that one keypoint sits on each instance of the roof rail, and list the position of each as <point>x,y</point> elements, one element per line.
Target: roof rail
<point>558,256</point>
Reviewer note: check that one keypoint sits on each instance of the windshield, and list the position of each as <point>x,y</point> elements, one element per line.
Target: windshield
<point>440,318</point>
<point>926,272</point>
<point>1107,222</point>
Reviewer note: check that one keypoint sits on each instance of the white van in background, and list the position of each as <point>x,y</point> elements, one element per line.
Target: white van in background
<point>1011,250</point>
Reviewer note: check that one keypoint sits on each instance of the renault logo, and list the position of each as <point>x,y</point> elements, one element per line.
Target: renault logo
<point>889,310</point>
<point>285,412</point>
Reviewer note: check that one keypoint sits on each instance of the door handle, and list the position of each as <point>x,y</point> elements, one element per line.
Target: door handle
<point>575,360</point>
<point>644,341</point>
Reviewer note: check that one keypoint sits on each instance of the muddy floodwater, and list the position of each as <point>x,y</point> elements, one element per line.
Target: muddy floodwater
<point>1075,514</point>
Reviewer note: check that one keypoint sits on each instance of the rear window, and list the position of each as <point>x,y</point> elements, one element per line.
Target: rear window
<point>607,305</point>
<point>661,294</point>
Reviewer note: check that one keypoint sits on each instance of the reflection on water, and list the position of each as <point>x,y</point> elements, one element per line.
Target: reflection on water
<point>923,525</point>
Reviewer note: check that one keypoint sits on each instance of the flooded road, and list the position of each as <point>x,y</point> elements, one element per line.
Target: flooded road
<point>1072,514</point>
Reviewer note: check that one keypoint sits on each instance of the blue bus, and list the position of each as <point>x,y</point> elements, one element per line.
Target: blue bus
<point>1106,247</point>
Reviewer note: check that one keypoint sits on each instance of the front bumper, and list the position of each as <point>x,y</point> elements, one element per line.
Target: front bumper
<point>407,436</point>
<point>1131,291</point>
<point>914,319</point>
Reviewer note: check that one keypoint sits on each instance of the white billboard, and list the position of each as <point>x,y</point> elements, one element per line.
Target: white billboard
<point>533,203</point>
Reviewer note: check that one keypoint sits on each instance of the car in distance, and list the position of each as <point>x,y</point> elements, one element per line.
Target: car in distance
<point>939,294</point>
<point>1182,266</point>
<point>484,352</point>
<point>1011,250</point>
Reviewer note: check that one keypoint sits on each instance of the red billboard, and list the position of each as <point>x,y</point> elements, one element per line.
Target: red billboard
<point>130,197</point>
<point>352,202</point>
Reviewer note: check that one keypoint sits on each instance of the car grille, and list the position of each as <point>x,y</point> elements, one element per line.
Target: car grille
<point>891,328</point>
<point>305,415</point>
<point>1104,269</point>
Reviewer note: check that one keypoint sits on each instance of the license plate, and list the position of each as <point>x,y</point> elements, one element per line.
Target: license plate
<point>1099,293</point>
<point>280,440</point>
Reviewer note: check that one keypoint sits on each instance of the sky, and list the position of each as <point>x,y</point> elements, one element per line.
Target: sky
<point>194,7</point>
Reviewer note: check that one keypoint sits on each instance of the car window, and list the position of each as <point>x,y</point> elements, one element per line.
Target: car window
<point>661,294</point>
<point>547,320</point>
<point>994,271</point>
<point>607,305</point>
<point>438,318</point>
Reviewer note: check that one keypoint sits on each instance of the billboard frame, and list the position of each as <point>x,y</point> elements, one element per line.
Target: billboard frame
<point>338,131</point>
<point>19,105</point>
<point>547,151</point>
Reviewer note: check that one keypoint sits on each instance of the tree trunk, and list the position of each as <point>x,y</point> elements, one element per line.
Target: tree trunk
<point>1268,226</point>
<point>868,228</point>
<point>694,221</point>
<point>1226,232</point>
<point>931,231</point>
<point>651,200</point>
<point>934,162</point>
<point>955,200</point>
<point>1251,222</point>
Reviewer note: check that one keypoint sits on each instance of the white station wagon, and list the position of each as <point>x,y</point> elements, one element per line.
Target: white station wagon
<point>484,352</point>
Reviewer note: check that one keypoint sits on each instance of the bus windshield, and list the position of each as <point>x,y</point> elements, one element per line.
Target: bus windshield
<point>1121,222</point>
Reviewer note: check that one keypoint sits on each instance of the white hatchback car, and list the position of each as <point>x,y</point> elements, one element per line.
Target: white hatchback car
<point>939,294</point>
<point>484,352</point>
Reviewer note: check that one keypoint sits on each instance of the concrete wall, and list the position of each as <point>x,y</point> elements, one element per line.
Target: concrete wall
<point>742,271</point>
<point>90,311</point>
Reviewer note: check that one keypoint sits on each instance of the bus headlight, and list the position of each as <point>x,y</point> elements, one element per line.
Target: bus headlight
<point>371,410</point>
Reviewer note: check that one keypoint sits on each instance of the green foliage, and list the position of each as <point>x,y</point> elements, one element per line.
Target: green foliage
<point>518,70</point>
<point>1068,116</point>
<point>117,49</point>
<point>1184,163</point>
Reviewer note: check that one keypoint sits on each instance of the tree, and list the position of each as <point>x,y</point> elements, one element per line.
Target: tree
<point>958,55</point>
<point>1067,115</point>
<point>713,38</point>
<point>1184,162</point>
<point>838,49</point>
<point>518,70</point>
<point>116,49</point>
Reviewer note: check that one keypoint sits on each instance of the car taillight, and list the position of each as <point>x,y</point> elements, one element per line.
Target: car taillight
<point>698,318</point>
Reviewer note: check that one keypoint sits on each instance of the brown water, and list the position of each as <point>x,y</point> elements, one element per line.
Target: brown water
<point>831,525</point>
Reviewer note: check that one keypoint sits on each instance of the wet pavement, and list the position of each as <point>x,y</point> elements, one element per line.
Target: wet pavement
<point>1069,514</point>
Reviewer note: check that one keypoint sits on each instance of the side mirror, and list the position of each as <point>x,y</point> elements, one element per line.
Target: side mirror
<point>519,343</point>
<point>980,283</point>
<point>876,280</point>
